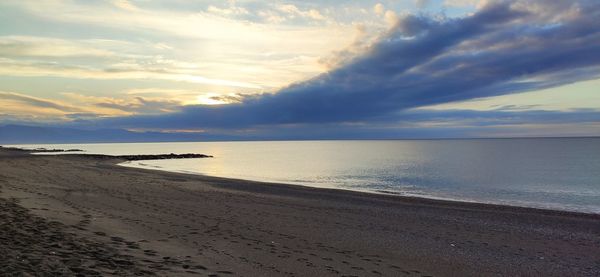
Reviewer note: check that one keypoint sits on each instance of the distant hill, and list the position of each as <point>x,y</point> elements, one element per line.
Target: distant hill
<point>21,134</point>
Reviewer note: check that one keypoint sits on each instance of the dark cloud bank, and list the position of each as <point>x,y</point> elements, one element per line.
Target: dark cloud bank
<point>506,47</point>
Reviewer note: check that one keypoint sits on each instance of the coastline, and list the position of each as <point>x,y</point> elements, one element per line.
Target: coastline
<point>238,227</point>
<point>339,191</point>
<point>541,180</point>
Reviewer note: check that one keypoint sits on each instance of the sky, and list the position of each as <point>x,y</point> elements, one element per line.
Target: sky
<point>304,69</point>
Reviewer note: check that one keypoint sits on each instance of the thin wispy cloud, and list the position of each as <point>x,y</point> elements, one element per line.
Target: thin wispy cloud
<point>228,50</point>
<point>37,102</point>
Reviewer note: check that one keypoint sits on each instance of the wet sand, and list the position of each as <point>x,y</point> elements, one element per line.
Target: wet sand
<point>74,214</point>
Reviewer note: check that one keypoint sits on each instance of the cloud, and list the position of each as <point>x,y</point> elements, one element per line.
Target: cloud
<point>389,16</point>
<point>160,69</point>
<point>232,10</point>
<point>379,9</point>
<point>99,59</point>
<point>503,48</point>
<point>363,39</point>
<point>78,106</point>
<point>31,101</point>
<point>499,117</point>
<point>294,11</point>
<point>131,104</point>
<point>125,5</point>
<point>407,124</point>
<point>226,41</point>
<point>466,3</point>
<point>27,46</point>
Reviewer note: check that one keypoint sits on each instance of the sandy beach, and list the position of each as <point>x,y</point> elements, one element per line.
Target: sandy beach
<point>70,215</point>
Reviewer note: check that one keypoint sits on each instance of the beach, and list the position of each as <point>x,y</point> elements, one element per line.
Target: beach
<point>78,214</point>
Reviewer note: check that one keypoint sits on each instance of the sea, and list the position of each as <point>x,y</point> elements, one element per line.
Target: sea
<point>549,173</point>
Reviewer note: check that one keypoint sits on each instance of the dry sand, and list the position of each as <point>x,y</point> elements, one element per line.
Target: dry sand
<point>72,214</point>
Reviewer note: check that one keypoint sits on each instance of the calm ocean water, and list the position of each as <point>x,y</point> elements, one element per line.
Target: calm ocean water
<point>560,173</point>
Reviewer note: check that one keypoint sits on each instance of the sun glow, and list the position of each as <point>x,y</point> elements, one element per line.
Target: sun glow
<point>210,99</point>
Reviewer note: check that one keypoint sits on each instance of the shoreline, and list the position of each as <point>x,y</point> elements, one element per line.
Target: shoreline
<point>382,195</point>
<point>140,157</point>
<point>368,192</point>
<point>119,160</point>
<point>180,224</point>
